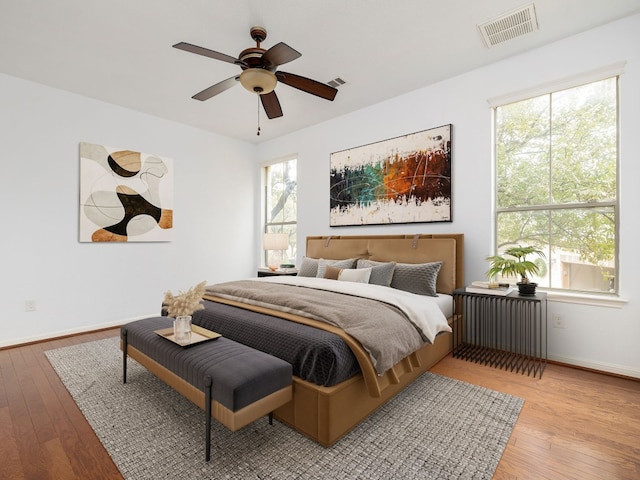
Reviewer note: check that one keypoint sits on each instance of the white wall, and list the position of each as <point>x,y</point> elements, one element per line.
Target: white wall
<point>83,286</point>
<point>604,338</point>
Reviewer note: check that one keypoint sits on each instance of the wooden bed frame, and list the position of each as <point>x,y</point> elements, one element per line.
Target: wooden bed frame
<point>325,414</point>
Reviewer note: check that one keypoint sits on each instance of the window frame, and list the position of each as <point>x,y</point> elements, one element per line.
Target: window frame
<point>266,224</point>
<point>608,72</point>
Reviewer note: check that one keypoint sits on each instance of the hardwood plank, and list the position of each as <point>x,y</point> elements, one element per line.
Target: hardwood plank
<point>5,363</point>
<point>33,460</point>
<point>9,446</point>
<point>61,464</point>
<point>37,409</point>
<point>29,356</point>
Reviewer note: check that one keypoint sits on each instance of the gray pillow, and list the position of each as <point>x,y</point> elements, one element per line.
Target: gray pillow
<point>322,265</point>
<point>309,267</point>
<point>417,278</point>
<point>381,272</point>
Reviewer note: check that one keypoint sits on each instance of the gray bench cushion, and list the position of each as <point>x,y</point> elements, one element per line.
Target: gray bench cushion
<point>240,374</point>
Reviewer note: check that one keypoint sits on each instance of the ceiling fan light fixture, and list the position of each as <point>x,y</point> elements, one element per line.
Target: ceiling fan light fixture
<point>258,80</point>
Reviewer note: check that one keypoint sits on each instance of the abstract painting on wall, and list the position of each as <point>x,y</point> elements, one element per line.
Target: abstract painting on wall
<point>401,180</point>
<point>125,196</point>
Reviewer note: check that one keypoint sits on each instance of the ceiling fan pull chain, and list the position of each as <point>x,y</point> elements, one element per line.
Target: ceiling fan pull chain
<point>258,96</point>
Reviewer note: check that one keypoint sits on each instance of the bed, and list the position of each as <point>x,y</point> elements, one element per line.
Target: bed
<point>339,379</point>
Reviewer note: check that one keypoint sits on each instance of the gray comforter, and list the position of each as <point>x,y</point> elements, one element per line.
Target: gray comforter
<point>385,331</point>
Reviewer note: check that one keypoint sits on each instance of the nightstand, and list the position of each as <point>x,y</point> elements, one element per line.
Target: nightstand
<point>265,272</point>
<point>507,332</point>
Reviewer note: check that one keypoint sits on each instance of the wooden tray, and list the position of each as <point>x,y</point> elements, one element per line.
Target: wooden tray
<point>198,335</point>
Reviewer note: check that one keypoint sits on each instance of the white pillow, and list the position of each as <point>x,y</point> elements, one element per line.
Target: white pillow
<point>360,275</point>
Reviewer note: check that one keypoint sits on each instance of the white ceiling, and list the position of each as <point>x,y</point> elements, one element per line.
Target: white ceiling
<point>119,51</point>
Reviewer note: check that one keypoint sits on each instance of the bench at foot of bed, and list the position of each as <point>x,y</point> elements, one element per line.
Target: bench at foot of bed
<point>233,383</point>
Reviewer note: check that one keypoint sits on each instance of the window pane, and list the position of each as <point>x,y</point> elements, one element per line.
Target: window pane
<point>584,244</point>
<point>281,192</point>
<point>526,228</point>
<point>580,248</point>
<point>584,152</point>
<point>522,153</point>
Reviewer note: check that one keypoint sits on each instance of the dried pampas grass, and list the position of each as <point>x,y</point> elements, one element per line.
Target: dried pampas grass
<point>185,303</point>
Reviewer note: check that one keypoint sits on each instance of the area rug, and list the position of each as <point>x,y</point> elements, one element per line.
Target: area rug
<point>437,428</point>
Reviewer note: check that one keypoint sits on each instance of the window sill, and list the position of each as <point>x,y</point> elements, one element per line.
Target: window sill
<point>611,301</point>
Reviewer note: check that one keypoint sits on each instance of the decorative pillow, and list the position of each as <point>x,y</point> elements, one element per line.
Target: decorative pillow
<point>309,267</point>
<point>381,272</point>
<point>360,275</point>
<point>322,265</point>
<point>417,278</point>
<point>332,273</point>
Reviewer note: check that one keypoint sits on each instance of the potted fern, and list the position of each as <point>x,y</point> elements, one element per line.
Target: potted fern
<point>514,263</point>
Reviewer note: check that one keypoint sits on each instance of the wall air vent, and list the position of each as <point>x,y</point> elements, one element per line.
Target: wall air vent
<point>506,27</point>
<point>336,82</point>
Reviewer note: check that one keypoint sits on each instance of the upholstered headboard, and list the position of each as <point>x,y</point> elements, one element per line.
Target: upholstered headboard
<point>398,248</point>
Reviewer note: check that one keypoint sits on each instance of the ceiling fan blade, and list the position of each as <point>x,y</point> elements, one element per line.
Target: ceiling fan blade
<point>187,47</point>
<point>207,93</point>
<point>313,87</point>
<point>271,105</point>
<point>279,54</point>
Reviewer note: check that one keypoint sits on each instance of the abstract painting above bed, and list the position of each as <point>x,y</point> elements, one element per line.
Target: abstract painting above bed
<point>405,179</point>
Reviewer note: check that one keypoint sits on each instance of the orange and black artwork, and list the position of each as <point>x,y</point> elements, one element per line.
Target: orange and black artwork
<point>401,180</point>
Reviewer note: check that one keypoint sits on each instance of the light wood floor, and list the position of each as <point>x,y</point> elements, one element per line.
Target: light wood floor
<point>574,424</point>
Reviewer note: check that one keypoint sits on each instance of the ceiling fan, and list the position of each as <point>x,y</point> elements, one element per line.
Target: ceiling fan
<point>259,74</point>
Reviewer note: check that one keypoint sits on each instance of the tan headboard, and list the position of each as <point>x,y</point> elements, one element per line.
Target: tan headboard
<point>398,248</point>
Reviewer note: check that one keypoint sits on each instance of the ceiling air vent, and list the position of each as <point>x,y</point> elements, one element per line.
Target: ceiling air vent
<point>336,82</point>
<point>509,26</point>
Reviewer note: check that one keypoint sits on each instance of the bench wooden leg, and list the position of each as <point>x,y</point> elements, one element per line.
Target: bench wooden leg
<point>207,408</point>
<point>123,337</point>
<point>270,418</point>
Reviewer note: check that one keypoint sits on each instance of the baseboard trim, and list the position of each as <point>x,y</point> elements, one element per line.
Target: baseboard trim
<point>16,342</point>
<point>601,367</point>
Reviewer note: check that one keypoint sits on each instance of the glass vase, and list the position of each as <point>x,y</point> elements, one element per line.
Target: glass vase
<point>182,329</point>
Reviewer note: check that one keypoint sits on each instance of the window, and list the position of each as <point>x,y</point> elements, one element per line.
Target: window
<point>280,201</point>
<point>556,160</point>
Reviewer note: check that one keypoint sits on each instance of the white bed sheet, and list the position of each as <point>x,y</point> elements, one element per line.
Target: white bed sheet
<point>445,302</point>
